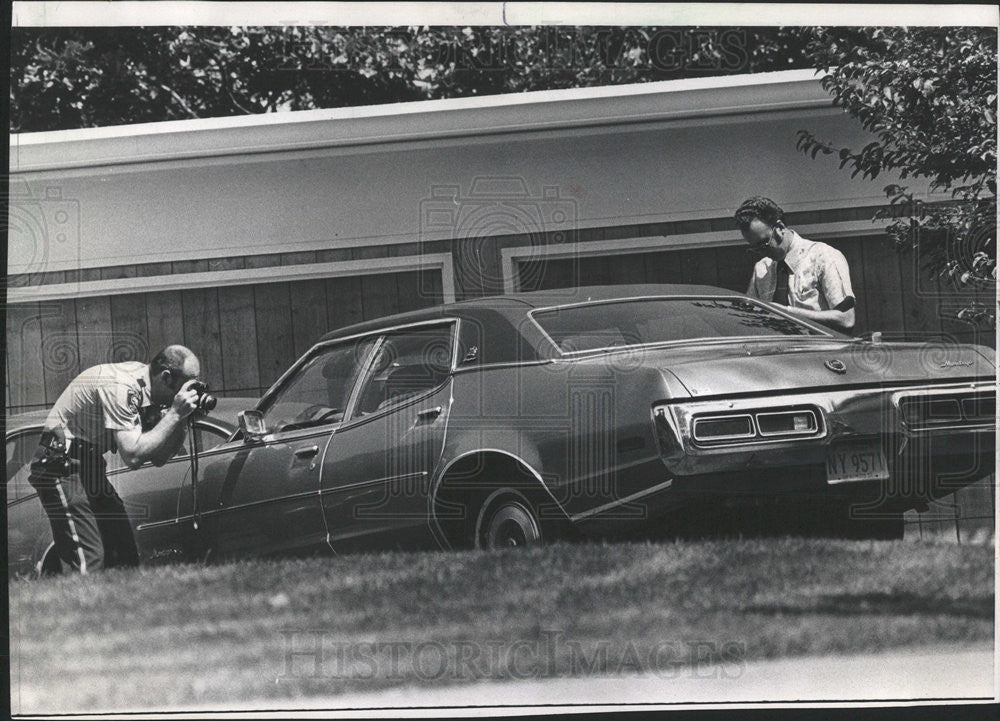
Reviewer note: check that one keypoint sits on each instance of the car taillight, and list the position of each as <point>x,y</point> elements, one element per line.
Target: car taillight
<point>942,409</point>
<point>723,428</point>
<point>928,412</point>
<point>980,408</point>
<point>756,426</point>
<point>787,423</point>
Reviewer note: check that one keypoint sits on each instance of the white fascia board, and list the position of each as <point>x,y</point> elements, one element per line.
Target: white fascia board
<point>221,278</point>
<point>549,110</point>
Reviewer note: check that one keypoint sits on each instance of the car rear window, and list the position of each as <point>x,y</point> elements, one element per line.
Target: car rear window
<point>656,320</point>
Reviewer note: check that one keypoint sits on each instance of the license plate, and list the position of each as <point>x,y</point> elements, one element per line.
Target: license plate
<point>856,462</point>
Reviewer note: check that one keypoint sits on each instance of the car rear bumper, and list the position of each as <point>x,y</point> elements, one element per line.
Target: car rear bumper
<point>920,470</point>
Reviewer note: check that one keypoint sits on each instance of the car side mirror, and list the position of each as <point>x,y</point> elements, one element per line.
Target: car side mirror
<point>252,425</point>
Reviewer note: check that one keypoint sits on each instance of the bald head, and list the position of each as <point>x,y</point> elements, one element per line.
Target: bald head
<point>170,369</point>
<point>177,359</point>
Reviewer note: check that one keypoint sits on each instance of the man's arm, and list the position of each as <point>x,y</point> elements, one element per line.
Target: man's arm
<point>161,442</point>
<point>838,319</point>
<point>752,290</point>
<point>835,284</point>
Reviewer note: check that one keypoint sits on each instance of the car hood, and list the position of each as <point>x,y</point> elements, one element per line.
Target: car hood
<point>754,366</point>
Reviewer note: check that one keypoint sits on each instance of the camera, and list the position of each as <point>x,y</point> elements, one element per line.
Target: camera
<point>206,402</point>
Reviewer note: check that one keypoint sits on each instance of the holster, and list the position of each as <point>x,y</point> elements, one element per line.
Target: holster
<point>52,458</point>
<point>58,458</point>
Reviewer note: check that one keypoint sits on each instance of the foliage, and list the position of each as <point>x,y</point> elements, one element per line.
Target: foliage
<point>929,96</point>
<point>85,77</point>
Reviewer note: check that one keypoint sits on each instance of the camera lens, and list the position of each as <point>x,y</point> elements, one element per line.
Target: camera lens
<point>207,402</point>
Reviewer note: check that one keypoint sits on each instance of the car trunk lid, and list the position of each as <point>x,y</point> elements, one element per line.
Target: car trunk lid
<point>789,364</point>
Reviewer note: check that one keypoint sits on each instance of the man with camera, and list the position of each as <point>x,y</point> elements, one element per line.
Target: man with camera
<point>110,407</point>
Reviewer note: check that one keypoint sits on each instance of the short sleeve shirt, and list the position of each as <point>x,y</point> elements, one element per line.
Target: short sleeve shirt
<point>819,278</point>
<point>100,401</point>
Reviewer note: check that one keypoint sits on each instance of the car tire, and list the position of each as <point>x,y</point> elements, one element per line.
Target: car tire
<point>507,519</point>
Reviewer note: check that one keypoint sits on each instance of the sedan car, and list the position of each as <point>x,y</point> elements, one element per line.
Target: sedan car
<point>505,421</point>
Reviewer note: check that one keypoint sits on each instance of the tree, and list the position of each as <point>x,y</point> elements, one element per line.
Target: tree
<point>929,96</point>
<point>85,77</point>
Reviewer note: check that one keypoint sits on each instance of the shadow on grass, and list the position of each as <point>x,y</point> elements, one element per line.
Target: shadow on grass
<point>883,604</point>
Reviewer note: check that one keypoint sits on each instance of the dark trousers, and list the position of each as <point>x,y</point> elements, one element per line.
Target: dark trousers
<point>90,527</point>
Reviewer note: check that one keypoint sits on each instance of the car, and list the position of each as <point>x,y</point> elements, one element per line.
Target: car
<point>505,421</point>
<point>29,538</point>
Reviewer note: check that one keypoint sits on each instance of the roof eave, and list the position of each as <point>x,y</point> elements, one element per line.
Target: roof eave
<point>430,120</point>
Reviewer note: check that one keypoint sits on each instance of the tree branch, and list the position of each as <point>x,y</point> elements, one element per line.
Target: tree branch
<point>180,100</point>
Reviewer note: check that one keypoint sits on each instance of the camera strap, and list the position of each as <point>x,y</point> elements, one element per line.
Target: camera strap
<point>193,455</point>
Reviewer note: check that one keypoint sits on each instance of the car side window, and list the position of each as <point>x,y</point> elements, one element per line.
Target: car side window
<point>208,437</point>
<point>320,388</point>
<point>205,438</point>
<point>20,450</point>
<point>407,364</point>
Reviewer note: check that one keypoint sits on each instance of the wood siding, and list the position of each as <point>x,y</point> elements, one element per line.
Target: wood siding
<point>245,336</point>
<point>893,296</point>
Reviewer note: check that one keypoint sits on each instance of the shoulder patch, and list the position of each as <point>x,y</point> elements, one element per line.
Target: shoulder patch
<point>132,400</point>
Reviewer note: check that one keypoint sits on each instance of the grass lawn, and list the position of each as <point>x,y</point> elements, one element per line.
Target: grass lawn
<point>292,628</point>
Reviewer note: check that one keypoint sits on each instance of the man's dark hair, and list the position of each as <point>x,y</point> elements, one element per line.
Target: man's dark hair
<point>763,209</point>
<point>171,358</point>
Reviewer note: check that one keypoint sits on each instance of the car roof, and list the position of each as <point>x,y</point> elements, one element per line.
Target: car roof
<point>515,306</point>
<point>587,293</point>
<point>224,415</point>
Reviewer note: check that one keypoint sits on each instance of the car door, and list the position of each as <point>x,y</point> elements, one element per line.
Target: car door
<point>153,496</point>
<point>150,495</point>
<point>261,496</point>
<point>379,463</point>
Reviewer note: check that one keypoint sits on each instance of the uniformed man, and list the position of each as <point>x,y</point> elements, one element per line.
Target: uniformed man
<point>810,278</point>
<point>110,407</point>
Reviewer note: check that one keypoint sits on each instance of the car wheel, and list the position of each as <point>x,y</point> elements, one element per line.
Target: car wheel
<point>507,520</point>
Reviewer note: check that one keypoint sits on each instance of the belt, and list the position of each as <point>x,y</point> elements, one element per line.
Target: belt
<point>72,447</point>
<point>82,449</point>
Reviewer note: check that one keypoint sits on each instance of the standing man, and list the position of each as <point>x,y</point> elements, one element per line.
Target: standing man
<point>109,407</point>
<point>808,277</point>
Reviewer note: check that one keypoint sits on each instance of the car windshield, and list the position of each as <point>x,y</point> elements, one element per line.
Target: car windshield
<point>597,326</point>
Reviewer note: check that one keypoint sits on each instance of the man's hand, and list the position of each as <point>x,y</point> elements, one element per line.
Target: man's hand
<point>186,401</point>
<point>161,442</point>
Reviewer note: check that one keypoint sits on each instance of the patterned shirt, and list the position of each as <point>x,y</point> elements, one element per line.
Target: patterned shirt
<point>819,278</point>
<point>101,400</point>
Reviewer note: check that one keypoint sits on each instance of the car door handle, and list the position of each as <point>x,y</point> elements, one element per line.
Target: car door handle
<point>306,452</point>
<point>428,414</point>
